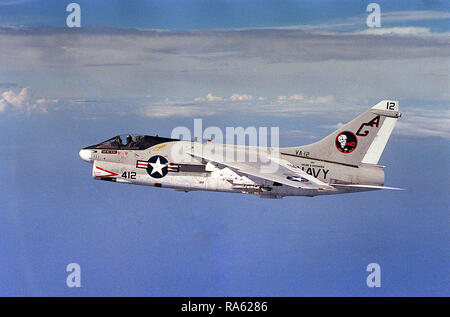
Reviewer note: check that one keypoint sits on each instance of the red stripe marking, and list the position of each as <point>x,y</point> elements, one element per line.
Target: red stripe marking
<point>112,174</point>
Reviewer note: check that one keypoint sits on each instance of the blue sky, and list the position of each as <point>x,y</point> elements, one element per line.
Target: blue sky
<point>201,14</point>
<point>148,67</point>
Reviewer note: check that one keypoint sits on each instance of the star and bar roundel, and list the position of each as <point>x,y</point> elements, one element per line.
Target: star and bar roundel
<point>157,166</point>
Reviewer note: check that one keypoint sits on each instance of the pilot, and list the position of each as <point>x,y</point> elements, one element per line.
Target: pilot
<point>129,140</point>
<point>118,141</point>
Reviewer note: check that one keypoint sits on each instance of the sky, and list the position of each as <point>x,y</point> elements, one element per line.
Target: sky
<point>151,66</point>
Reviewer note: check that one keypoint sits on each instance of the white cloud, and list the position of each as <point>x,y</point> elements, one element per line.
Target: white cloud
<point>417,122</point>
<point>238,97</point>
<point>390,18</point>
<point>169,109</point>
<point>256,62</point>
<point>401,16</point>
<point>295,105</point>
<point>302,99</point>
<point>334,126</point>
<point>10,98</point>
<point>209,97</point>
<point>424,123</point>
<point>424,130</point>
<point>397,31</point>
<point>337,72</point>
<point>213,98</point>
<point>297,97</point>
<point>321,99</point>
<point>199,99</point>
<point>167,112</point>
<point>23,102</point>
<point>295,133</point>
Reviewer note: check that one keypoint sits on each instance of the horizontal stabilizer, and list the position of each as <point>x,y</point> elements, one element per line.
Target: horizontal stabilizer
<point>367,186</point>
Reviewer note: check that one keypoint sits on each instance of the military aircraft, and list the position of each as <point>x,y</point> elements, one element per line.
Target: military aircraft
<point>345,161</point>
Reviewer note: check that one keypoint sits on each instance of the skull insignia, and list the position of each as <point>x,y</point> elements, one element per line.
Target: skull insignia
<point>342,139</point>
<point>346,142</point>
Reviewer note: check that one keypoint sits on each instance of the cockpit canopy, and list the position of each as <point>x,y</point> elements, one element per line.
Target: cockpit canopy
<point>131,142</point>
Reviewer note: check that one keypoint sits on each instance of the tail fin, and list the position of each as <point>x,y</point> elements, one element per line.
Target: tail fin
<point>362,140</point>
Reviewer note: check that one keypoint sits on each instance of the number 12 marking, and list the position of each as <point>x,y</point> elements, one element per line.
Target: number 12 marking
<point>390,105</point>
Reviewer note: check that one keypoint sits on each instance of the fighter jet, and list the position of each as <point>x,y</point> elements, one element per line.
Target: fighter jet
<point>345,161</point>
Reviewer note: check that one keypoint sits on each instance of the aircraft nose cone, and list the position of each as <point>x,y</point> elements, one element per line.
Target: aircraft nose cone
<point>85,155</point>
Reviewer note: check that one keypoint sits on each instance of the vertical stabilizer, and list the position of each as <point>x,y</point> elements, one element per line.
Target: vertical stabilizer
<point>362,140</point>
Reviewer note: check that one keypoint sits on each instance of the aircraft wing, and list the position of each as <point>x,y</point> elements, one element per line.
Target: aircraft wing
<point>281,171</point>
